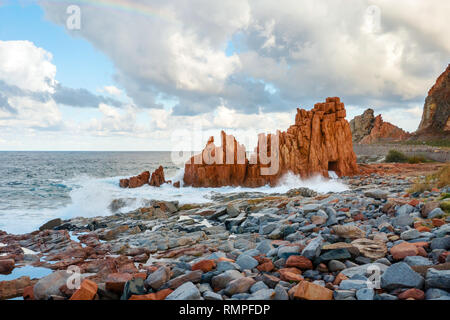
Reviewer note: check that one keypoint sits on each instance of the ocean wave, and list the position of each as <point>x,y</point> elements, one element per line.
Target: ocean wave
<point>91,197</point>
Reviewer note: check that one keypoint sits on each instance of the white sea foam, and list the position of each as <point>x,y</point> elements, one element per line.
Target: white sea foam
<point>91,197</point>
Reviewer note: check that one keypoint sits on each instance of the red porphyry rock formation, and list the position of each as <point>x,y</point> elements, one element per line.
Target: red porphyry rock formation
<point>436,111</point>
<point>157,179</point>
<point>384,131</point>
<point>368,129</point>
<point>319,141</point>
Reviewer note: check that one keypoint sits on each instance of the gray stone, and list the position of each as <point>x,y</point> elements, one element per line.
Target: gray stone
<point>280,293</point>
<point>385,296</point>
<point>405,209</point>
<point>344,295</point>
<point>240,285</point>
<point>402,221</point>
<point>377,194</point>
<point>440,243</point>
<point>264,246</point>
<point>50,285</point>
<point>187,291</point>
<point>258,286</point>
<point>410,234</point>
<point>51,224</point>
<point>332,216</point>
<point>221,281</point>
<point>365,294</point>
<point>223,266</point>
<point>438,279</point>
<point>312,250</point>
<point>434,293</point>
<point>287,251</point>
<point>133,287</point>
<point>352,284</point>
<point>364,270</point>
<point>158,278</point>
<point>263,294</point>
<point>246,262</point>
<point>417,261</point>
<point>312,207</point>
<point>335,265</point>
<point>436,213</point>
<point>400,275</point>
<point>209,295</point>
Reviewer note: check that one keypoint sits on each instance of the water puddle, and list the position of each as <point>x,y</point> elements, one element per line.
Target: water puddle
<point>30,271</point>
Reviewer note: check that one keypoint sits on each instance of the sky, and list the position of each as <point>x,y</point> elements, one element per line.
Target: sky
<point>166,75</point>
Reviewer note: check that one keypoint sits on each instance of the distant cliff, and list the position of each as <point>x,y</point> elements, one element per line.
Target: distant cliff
<point>436,111</point>
<point>368,129</point>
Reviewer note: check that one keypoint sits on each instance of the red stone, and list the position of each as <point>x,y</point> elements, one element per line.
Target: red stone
<point>266,266</point>
<point>413,293</point>
<point>160,295</point>
<point>438,222</point>
<point>116,281</point>
<point>28,293</point>
<point>311,291</point>
<point>87,291</point>
<point>6,266</point>
<point>300,262</point>
<point>404,250</point>
<point>157,178</point>
<point>204,265</point>
<point>414,202</point>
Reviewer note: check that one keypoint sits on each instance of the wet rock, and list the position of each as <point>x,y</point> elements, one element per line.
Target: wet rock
<point>14,288</point>
<point>6,266</point>
<point>51,224</point>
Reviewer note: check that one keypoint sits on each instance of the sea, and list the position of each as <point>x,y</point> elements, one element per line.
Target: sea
<point>36,187</point>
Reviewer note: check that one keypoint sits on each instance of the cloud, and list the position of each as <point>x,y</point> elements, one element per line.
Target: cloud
<point>112,90</point>
<point>370,54</point>
<point>81,98</point>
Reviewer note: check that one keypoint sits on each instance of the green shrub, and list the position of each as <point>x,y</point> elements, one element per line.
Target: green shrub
<point>418,159</point>
<point>396,156</point>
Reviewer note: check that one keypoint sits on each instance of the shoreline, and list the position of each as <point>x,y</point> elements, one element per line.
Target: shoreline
<point>293,245</point>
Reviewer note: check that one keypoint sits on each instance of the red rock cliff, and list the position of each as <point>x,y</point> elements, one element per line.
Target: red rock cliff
<point>436,111</point>
<point>319,141</point>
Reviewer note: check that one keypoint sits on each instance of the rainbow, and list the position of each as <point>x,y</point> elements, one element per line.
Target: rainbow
<point>131,6</point>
